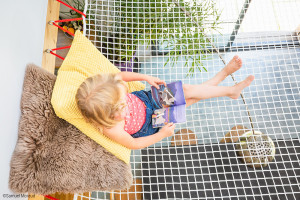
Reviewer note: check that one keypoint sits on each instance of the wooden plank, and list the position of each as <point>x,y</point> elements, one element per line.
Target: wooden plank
<point>35,197</point>
<point>86,195</point>
<point>48,61</point>
<point>69,196</point>
<point>134,192</point>
<point>60,196</point>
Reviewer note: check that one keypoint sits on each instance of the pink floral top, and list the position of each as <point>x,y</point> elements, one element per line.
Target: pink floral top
<point>135,114</point>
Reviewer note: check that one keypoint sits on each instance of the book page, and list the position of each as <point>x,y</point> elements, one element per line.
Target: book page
<point>175,114</point>
<point>169,96</point>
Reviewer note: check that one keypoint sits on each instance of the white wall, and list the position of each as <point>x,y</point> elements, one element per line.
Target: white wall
<point>22,31</point>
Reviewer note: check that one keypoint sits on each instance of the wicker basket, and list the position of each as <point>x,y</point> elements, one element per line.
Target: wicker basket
<point>256,150</point>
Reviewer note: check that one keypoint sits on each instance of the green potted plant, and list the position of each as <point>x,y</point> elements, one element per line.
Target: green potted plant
<point>119,52</point>
<point>139,22</point>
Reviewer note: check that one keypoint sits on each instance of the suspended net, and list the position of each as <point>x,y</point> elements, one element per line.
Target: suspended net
<point>191,41</point>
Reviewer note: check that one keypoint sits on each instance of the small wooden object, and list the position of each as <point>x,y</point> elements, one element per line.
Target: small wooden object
<point>184,137</point>
<point>233,135</point>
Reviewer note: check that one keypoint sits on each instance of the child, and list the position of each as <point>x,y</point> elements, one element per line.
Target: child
<point>126,117</point>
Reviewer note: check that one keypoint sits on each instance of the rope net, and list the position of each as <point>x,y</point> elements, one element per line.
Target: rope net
<point>190,41</point>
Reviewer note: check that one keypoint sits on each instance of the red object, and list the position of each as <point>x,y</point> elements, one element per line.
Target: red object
<point>58,26</point>
<point>51,51</point>
<point>57,55</point>
<point>65,20</point>
<point>68,20</point>
<point>59,48</point>
<point>49,197</point>
<point>71,7</point>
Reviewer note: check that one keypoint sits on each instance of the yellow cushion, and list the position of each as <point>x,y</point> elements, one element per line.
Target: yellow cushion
<point>84,60</point>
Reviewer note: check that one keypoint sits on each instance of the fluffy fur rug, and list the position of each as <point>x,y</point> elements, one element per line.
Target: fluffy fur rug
<point>52,155</point>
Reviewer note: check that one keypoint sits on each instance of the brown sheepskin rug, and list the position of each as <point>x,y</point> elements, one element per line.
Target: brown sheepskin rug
<point>52,155</point>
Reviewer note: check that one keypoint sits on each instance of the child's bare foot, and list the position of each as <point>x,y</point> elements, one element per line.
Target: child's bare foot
<point>234,64</point>
<point>237,89</point>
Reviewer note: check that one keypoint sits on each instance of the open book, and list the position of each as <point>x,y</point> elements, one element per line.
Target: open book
<point>169,104</point>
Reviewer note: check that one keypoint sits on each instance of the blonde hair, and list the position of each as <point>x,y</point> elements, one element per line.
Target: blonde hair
<point>98,99</point>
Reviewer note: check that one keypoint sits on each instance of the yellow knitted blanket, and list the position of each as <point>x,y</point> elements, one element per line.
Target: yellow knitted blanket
<point>85,60</point>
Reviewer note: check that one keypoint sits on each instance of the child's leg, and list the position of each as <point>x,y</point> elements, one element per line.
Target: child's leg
<point>234,64</point>
<point>194,93</point>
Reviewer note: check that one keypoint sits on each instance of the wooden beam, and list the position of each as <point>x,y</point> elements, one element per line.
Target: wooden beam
<point>35,197</point>
<point>50,39</point>
<point>134,192</point>
<point>48,63</point>
<point>60,196</point>
<point>48,60</point>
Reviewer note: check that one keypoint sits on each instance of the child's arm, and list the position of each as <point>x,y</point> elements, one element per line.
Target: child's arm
<point>120,136</point>
<point>132,76</point>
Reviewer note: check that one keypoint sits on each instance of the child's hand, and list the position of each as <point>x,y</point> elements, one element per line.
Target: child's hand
<point>168,129</point>
<point>155,81</point>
